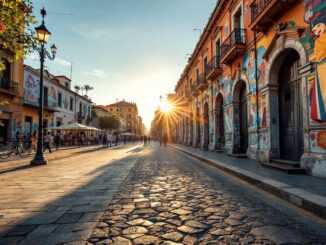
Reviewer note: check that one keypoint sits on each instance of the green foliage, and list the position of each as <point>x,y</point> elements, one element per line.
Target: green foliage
<point>77,88</point>
<point>16,36</point>
<point>110,122</point>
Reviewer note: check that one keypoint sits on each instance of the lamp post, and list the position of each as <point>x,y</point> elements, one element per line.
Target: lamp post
<point>43,35</point>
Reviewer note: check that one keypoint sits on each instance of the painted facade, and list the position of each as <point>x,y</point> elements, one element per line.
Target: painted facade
<point>264,83</point>
<point>61,105</point>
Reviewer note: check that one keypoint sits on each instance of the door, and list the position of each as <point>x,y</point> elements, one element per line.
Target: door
<point>290,109</point>
<point>206,127</point>
<point>4,129</point>
<point>243,120</point>
<point>219,123</point>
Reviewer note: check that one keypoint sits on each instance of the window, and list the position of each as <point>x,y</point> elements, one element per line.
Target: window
<point>66,84</point>
<point>5,74</point>
<point>205,65</point>
<point>237,19</point>
<point>71,105</point>
<point>129,109</point>
<point>60,99</point>
<point>129,116</point>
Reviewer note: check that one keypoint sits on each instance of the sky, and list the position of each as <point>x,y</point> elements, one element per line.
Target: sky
<point>125,49</point>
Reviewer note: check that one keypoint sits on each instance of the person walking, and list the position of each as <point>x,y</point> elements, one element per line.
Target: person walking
<point>34,141</point>
<point>57,141</point>
<point>109,140</point>
<point>47,140</point>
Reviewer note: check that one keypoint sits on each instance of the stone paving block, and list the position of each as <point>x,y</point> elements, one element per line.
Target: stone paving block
<point>69,218</point>
<point>62,228</point>
<point>21,230</point>
<point>60,238</point>
<point>44,218</point>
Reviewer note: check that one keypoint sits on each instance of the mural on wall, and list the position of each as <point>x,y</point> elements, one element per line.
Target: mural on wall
<point>52,97</point>
<point>65,101</point>
<point>228,117</point>
<point>315,16</point>
<point>318,141</point>
<point>227,88</point>
<point>263,140</point>
<point>31,89</point>
<point>252,112</point>
<point>262,110</point>
<point>248,63</point>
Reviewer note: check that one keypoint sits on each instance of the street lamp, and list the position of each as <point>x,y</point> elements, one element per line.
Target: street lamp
<point>43,35</point>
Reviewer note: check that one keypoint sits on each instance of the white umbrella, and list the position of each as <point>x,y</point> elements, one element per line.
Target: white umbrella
<point>127,134</point>
<point>71,127</point>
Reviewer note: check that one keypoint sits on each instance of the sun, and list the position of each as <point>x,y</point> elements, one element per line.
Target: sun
<point>166,107</point>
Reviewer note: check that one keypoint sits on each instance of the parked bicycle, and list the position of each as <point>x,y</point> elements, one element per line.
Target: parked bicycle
<point>15,148</point>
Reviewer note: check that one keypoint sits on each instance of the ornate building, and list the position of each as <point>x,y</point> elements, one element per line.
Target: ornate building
<point>254,85</point>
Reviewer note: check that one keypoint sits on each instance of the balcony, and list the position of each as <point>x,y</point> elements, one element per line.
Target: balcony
<point>194,90</point>
<point>214,69</point>
<point>264,13</point>
<point>9,87</point>
<point>201,82</point>
<point>188,96</point>
<point>233,46</point>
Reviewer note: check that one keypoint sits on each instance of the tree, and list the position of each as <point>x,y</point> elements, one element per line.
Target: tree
<point>87,88</point>
<point>16,35</point>
<point>110,122</point>
<point>77,88</point>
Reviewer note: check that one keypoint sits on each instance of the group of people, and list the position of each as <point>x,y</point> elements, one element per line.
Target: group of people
<point>109,139</point>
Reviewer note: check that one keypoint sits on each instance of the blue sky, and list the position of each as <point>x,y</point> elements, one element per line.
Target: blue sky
<point>126,49</point>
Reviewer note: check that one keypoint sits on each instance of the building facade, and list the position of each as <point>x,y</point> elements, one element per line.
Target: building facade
<point>11,92</point>
<point>128,112</point>
<point>61,105</point>
<point>254,84</point>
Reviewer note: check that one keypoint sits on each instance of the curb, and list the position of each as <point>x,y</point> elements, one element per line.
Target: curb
<point>313,203</point>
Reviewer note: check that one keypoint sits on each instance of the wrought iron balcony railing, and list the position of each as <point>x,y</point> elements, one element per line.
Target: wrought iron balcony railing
<point>237,36</point>
<point>257,7</point>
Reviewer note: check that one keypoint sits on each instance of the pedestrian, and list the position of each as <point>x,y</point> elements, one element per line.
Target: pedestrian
<point>57,141</point>
<point>51,140</point>
<point>109,140</point>
<point>114,139</point>
<point>47,140</point>
<point>34,141</point>
<point>105,139</point>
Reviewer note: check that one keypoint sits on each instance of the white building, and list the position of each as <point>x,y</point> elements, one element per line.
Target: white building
<point>61,104</point>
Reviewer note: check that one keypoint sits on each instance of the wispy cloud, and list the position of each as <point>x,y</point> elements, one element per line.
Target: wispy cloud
<point>33,56</point>
<point>62,62</point>
<point>96,73</point>
<point>88,31</point>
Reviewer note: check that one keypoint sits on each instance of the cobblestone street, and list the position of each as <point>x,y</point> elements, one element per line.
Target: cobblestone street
<point>169,198</point>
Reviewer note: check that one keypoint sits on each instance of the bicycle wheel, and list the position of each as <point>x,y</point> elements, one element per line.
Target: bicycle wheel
<point>5,151</point>
<point>24,150</point>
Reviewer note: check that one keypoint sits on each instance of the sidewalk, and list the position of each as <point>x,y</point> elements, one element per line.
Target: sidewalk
<point>305,191</point>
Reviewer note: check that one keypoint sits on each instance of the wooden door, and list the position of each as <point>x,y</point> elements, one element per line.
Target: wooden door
<point>290,110</point>
<point>243,120</point>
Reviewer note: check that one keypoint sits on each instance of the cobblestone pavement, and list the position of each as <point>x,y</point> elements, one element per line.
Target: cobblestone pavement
<point>169,198</point>
<point>64,200</point>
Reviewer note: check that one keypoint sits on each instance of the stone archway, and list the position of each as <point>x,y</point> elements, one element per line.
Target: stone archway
<point>219,123</point>
<point>240,117</point>
<point>206,127</point>
<point>287,100</point>
<point>197,140</point>
<point>191,130</point>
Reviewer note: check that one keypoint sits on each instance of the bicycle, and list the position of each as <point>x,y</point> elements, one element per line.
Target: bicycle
<point>15,147</point>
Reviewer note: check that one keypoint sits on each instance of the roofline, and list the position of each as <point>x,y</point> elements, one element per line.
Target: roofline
<point>215,14</point>
<point>35,71</point>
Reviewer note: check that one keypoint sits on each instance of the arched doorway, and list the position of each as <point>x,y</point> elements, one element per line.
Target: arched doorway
<point>197,128</point>
<point>219,123</point>
<point>191,134</point>
<point>241,117</point>
<point>206,127</point>
<point>290,108</point>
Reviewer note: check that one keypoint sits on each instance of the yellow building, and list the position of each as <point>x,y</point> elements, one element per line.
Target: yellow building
<point>128,112</point>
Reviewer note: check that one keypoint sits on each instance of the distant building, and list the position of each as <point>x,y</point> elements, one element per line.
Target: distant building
<point>129,113</point>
